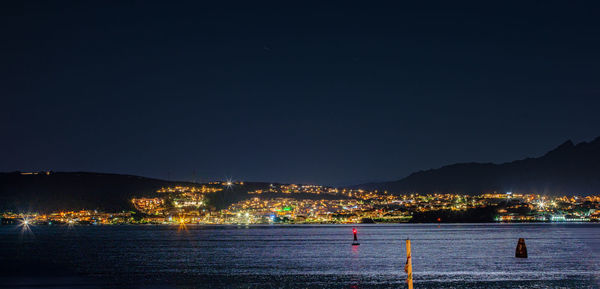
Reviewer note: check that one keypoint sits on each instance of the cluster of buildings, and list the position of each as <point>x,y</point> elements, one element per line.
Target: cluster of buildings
<point>532,208</point>
<point>175,200</point>
<point>275,210</point>
<point>319,204</point>
<point>83,217</point>
<point>362,206</point>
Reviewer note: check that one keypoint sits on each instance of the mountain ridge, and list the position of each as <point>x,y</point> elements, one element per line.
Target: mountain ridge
<point>567,169</point>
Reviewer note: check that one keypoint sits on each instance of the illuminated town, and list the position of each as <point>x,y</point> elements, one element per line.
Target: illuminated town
<point>311,204</point>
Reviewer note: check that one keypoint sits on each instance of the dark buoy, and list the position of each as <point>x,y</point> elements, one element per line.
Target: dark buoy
<point>521,251</point>
<point>355,243</point>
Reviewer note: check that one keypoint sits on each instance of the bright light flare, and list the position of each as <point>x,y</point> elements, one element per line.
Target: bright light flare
<point>541,204</point>
<point>229,183</point>
<point>70,224</point>
<point>182,225</point>
<point>25,223</point>
<point>25,226</point>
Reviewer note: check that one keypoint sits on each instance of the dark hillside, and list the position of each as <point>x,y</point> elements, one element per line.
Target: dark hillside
<point>76,190</point>
<point>569,169</point>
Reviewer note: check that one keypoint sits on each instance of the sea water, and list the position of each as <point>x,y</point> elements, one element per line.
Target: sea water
<point>300,256</point>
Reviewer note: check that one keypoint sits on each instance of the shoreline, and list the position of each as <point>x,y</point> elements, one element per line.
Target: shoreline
<point>304,224</point>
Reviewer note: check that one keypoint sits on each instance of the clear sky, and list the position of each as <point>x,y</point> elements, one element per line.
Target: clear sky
<point>286,91</point>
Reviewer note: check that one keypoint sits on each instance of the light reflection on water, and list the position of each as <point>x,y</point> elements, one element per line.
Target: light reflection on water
<point>444,256</point>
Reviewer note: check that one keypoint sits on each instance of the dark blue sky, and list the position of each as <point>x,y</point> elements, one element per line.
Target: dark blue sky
<point>305,92</point>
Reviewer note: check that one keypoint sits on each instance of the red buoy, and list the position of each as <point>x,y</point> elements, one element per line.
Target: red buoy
<point>355,243</point>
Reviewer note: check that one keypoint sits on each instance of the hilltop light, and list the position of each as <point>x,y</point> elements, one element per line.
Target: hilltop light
<point>229,183</point>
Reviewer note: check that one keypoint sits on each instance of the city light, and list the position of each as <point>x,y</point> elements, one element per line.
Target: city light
<point>290,204</point>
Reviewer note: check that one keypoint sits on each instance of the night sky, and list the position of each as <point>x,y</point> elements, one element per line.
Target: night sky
<point>295,92</point>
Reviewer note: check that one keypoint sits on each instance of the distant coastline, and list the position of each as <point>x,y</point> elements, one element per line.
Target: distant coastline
<point>122,199</point>
<point>560,186</point>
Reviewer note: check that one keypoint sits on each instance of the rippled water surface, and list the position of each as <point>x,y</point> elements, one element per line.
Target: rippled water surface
<point>444,256</point>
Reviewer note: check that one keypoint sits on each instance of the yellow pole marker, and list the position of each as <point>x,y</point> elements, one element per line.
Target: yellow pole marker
<point>408,266</point>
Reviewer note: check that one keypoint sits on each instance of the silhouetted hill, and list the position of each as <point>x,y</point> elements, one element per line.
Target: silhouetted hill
<point>109,192</point>
<point>568,169</point>
<point>77,190</point>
